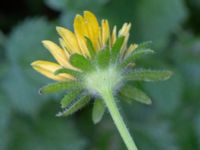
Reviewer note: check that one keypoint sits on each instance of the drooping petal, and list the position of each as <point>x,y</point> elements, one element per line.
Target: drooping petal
<point>92,26</point>
<point>47,69</point>
<point>69,39</point>
<point>80,32</point>
<point>59,54</point>
<point>105,32</point>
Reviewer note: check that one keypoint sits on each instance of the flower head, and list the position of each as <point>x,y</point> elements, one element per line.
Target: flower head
<point>93,59</point>
<point>91,64</point>
<point>86,28</point>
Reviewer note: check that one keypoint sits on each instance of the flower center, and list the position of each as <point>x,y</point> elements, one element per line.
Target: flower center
<point>101,80</point>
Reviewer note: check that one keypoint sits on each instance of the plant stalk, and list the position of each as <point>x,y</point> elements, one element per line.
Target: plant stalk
<point>117,118</point>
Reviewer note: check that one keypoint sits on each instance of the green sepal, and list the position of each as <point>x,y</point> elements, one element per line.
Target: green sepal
<point>79,61</point>
<point>90,47</point>
<point>108,42</point>
<point>135,55</point>
<point>103,58</point>
<point>75,106</point>
<point>143,46</point>
<point>147,75</point>
<point>68,71</point>
<point>115,51</point>
<point>69,97</point>
<point>98,110</point>
<point>59,86</point>
<point>133,93</point>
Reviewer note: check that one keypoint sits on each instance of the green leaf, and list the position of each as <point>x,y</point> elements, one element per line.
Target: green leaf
<point>157,22</point>
<point>68,71</point>
<point>5,115</point>
<point>148,75</point>
<point>116,49</point>
<point>98,110</point>
<point>135,55</point>
<point>103,58</point>
<point>168,96</point>
<point>69,97</point>
<point>81,62</point>
<point>60,86</point>
<point>2,39</point>
<point>57,5</point>
<point>38,134</point>
<point>77,105</point>
<point>134,93</point>
<point>90,46</point>
<point>22,82</point>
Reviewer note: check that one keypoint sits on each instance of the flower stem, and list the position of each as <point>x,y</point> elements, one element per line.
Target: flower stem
<point>117,118</point>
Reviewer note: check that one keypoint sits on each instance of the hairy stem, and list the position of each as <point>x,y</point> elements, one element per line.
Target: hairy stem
<point>117,118</point>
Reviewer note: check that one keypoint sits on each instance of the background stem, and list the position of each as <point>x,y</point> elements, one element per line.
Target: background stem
<point>118,120</point>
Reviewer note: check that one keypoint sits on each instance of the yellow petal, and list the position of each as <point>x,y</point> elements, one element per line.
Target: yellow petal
<point>47,69</point>
<point>125,29</point>
<point>92,26</point>
<point>114,36</point>
<point>64,47</point>
<point>69,39</point>
<point>80,32</point>
<point>124,45</point>
<point>57,53</point>
<point>131,48</point>
<point>105,32</point>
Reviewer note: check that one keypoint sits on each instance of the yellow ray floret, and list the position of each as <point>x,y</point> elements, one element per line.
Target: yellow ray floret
<point>59,55</point>
<point>92,27</point>
<point>114,35</point>
<point>105,32</point>
<point>69,39</point>
<point>80,32</point>
<point>48,68</point>
<point>124,31</point>
<point>131,48</point>
<point>84,26</point>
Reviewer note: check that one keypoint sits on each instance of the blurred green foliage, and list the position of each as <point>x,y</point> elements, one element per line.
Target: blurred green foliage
<point>172,122</point>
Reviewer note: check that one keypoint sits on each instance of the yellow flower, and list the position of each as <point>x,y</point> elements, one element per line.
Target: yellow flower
<point>70,43</point>
<point>94,61</point>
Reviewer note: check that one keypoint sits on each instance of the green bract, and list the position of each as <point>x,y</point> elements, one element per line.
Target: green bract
<point>105,70</point>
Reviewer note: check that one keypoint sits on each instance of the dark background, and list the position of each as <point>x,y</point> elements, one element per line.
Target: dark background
<point>172,122</point>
